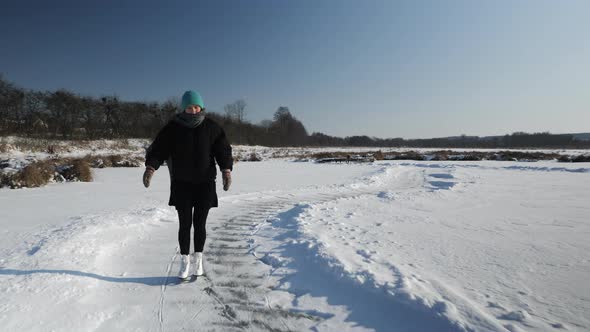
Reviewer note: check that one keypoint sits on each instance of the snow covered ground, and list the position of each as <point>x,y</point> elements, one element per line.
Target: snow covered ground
<point>387,246</point>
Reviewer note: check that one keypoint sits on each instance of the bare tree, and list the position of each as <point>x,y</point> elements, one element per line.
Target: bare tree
<point>91,119</point>
<point>11,107</point>
<point>266,124</point>
<point>289,130</point>
<point>236,110</point>
<point>169,108</point>
<point>64,107</point>
<point>34,107</point>
<point>111,108</point>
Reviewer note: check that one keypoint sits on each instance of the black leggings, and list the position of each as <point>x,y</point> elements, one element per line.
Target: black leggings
<point>186,219</point>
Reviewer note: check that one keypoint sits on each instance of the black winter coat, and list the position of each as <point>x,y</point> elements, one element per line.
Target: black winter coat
<point>191,154</point>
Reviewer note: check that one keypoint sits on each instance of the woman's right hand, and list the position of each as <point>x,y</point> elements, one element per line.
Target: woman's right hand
<point>147,175</point>
<point>226,176</point>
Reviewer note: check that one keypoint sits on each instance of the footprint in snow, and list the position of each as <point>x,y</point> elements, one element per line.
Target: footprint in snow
<point>495,305</point>
<point>442,176</point>
<point>517,315</point>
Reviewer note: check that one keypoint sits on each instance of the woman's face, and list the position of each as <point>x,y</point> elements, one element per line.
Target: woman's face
<point>193,109</point>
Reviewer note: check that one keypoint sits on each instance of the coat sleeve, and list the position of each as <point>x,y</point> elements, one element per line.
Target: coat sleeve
<point>160,148</point>
<point>222,151</point>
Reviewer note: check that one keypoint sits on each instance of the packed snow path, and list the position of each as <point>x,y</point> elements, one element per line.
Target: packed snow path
<point>371,247</point>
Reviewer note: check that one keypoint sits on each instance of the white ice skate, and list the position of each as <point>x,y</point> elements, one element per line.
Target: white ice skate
<point>198,262</point>
<point>185,265</point>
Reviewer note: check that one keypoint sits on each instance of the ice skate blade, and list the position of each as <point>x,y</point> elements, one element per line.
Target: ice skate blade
<point>188,279</point>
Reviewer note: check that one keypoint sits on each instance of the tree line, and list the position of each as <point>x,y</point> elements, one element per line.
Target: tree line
<point>63,114</point>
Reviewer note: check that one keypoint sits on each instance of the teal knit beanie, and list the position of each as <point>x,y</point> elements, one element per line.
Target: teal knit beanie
<point>191,98</point>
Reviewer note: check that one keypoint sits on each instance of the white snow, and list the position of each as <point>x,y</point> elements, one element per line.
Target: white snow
<point>405,245</point>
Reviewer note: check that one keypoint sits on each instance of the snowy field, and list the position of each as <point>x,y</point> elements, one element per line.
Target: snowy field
<point>386,246</point>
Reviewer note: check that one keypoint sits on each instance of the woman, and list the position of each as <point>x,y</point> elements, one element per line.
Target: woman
<point>191,143</point>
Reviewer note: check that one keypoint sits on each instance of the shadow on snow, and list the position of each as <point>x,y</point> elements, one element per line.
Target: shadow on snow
<point>148,281</point>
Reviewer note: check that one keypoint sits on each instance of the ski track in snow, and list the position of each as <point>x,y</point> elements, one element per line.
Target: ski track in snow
<point>163,289</point>
<point>263,269</point>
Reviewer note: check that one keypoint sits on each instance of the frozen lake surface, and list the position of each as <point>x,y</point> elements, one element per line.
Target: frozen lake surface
<point>405,245</point>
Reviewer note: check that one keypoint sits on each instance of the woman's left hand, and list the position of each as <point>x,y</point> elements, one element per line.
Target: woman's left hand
<point>147,175</point>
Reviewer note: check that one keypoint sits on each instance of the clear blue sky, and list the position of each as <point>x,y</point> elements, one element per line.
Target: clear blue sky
<point>411,69</point>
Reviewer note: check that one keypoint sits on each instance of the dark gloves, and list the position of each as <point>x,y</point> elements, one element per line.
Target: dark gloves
<point>147,175</point>
<point>226,175</point>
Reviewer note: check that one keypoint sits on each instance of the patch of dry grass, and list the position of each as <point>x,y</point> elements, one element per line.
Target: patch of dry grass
<point>344,156</point>
<point>38,145</point>
<point>253,157</point>
<point>525,156</point>
<point>409,155</point>
<point>73,169</point>
<point>378,155</point>
<point>114,160</point>
<point>36,174</point>
<point>125,161</point>
<point>122,144</point>
<point>39,173</point>
<point>57,146</point>
<point>82,170</point>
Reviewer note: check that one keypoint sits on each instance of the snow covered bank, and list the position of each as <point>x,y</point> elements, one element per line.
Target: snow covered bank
<point>28,162</point>
<point>23,150</point>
